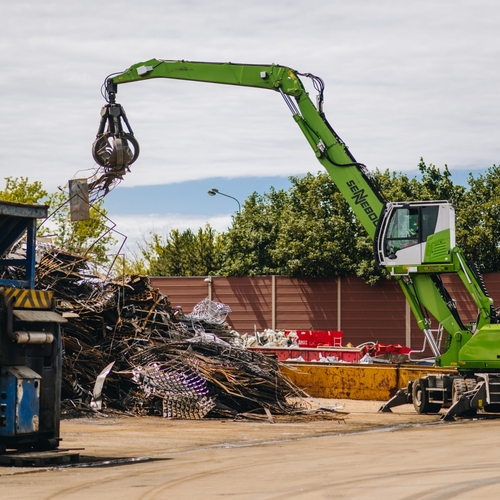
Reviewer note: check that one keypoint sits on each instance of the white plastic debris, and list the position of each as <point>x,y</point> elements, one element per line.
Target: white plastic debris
<point>366,359</point>
<point>208,310</point>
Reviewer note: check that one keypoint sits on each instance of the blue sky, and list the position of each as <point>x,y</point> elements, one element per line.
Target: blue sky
<point>404,80</point>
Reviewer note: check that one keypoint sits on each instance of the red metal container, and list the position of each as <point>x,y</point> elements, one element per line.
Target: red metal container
<point>317,338</point>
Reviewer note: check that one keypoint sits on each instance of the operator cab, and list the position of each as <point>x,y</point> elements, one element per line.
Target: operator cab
<point>416,232</point>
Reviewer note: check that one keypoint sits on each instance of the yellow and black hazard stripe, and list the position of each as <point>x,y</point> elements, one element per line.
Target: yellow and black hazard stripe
<point>28,299</point>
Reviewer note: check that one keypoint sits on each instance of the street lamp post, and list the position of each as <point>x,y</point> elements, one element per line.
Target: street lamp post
<point>214,191</point>
<point>208,281</point>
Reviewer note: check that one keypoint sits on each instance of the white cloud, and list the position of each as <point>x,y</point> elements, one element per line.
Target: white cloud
<point>403,80</point>
<point>138,228</point>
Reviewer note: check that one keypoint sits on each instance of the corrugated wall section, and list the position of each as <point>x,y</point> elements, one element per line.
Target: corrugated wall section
<point>372,313</point>
<point>306,304</point>
<point>184,292</point>
<point>250,300</point>
<point>367,313</point>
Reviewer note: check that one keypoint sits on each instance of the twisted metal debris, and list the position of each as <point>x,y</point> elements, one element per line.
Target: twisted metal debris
<point>185,393</point>
<point>165,363</point>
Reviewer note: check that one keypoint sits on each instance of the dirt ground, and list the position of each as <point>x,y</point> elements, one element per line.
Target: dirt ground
<point>355,453</point>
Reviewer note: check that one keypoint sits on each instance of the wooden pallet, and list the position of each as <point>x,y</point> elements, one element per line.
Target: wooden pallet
<point>39,458</point>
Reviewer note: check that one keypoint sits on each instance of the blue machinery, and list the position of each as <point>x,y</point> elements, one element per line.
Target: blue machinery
<point>30,341</point>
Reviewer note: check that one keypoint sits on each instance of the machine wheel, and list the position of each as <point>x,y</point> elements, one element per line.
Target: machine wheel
<point>470,383</point>
<point>421,399</point>
<point>457,389</point>
<point>460,386</point>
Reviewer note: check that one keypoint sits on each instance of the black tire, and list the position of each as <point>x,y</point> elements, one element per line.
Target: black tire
<point>461,385</point>
<point>457,389</point>
<point>470,383</point>
<point>421,398</point>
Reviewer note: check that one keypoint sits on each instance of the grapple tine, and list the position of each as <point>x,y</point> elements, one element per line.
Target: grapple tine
<point>114,149</point>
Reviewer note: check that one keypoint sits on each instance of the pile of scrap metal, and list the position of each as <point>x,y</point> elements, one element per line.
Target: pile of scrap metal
<point>127,349</point>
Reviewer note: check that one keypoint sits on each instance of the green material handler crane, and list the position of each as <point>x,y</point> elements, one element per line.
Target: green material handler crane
<point>415,241</point>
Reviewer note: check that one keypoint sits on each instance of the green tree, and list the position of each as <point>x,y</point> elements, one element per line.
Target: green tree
<point>309,230</point>
<point>318,236</point>
<point>21,190</point>
<point>248,243</point>
<point>478,220</point>
<point>183,253</point>
<point>433,184</point>
<point>396,186</point>
<point>437,185</point>
<point>132,265</point>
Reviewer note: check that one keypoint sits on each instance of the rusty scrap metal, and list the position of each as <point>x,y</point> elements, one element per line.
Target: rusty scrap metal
<point>184,392</point>
<point>165,362</point>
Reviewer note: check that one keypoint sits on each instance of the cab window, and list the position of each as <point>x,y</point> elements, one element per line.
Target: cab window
<point>410,226</point>
<point>403,230</point>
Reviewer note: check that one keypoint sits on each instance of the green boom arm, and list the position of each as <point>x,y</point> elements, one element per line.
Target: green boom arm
<point>351,177</point>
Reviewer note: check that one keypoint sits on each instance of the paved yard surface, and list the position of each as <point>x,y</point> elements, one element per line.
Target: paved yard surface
<point>363,454</point>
